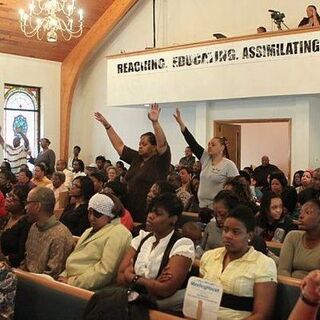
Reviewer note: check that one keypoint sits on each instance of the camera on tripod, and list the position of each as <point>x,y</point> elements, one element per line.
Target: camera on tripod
<point>277,18</point>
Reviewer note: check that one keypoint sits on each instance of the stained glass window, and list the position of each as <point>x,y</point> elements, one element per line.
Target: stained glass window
<point>22,110</point>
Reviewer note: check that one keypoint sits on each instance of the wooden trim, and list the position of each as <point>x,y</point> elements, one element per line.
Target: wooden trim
<point>218,41</point>
<point>157,315</point>
<point>289,281</point>
<point>190,214</point>
<point>59,286</point>
<point>77,58</point>
<point>272,244</point>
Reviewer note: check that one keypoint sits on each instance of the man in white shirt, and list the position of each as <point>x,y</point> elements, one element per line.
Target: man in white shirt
<point>62,167</point>
<point>58,178</point>
<point>17,153</point>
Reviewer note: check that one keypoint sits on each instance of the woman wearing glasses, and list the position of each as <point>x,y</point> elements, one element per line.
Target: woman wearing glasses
<point>95,260</point>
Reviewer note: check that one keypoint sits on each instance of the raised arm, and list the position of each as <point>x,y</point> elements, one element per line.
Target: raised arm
<point>191,141</point>
<point>115,140</point>
<point>24,137</point>
<point>153,116</point>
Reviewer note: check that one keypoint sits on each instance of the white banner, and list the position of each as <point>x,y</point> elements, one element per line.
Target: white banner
<point>130,76</point>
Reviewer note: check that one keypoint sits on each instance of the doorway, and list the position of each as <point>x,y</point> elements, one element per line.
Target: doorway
<point>249,140</point>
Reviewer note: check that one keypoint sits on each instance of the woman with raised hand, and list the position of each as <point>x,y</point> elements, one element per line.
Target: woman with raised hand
<point>147,165</point>
<point>216,167</point>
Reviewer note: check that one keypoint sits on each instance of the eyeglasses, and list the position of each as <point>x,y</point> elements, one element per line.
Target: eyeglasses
<point>95,213</point>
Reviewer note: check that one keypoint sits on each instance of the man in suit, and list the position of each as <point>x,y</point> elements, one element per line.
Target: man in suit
<point>96,258</point>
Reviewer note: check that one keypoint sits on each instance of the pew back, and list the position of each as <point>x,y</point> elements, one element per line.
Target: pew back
<point>41,299</point>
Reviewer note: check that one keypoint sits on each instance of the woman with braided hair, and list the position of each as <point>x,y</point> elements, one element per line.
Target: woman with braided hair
<point>216,167</point>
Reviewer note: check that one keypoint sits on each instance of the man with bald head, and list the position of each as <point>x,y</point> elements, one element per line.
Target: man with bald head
<point>263,171</point>
<point>49,242</point>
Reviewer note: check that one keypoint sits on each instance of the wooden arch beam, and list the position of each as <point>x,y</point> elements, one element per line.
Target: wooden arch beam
<point>77,58</point>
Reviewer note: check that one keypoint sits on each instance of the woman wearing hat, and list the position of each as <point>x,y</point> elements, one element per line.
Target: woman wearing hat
<point>95,260</point>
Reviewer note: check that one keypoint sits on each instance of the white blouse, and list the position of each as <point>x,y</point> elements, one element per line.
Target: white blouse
<point>148,261</point>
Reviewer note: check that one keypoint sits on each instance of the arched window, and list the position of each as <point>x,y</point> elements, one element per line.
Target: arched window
<point>22,110</point>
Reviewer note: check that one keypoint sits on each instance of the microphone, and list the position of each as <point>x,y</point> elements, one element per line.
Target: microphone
<point>273,11</point>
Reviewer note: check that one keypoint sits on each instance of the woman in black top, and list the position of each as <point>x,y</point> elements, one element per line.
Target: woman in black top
<point>272,222</point>
<point>75,215</point>
<point>16,230</point>
<point>312,19</point>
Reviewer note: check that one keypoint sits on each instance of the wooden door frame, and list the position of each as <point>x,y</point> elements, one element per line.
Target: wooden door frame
<point>275,120</point>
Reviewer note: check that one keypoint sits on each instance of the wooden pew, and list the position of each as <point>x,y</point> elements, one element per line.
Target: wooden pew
<point>274,247</point>
<point>288,291</point>
<point>39,298</point>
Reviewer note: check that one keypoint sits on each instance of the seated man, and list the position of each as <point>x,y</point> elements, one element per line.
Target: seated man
<point>58,179</point>
<point>96,258</point>
<point>62,166</point>
<point>49,242</point>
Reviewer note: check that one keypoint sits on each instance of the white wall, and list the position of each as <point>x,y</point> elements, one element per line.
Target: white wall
<point>182,21</point>
<point>38,73</point>
<point>259,139</point>
<point>314,133</point>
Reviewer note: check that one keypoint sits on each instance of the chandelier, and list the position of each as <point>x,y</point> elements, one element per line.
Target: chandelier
<point>50,17</point>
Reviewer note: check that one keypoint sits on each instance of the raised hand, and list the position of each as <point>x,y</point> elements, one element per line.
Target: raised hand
<point>99,117</point>
<point>179,120</point>
<point>154,112</point>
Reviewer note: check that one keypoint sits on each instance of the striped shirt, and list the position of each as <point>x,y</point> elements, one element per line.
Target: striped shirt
<point>16,156</point>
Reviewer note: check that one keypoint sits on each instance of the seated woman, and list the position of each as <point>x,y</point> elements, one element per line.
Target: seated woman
<point>300,252</point>
<point>296,181</point>
<point>75,215</point>
<point>39,175</point>
<point>193,202</point>
<point>247,276</point>
<point>306,181</point>
<point>158,188</point>
<point>112,174</point>
<point>224,201</point>
<point>242,190</point>
<point>94,262</point>
<point>119,190</point>
<point>312,19</point>
<point>15,234</point>
<point>272,223</point>
<point>159,259</point>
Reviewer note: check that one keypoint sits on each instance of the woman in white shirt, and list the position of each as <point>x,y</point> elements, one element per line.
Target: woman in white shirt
<point>159,259</point>
<point>246,275</point>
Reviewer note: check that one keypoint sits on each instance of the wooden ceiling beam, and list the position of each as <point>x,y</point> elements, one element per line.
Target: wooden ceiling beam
<point>76,59</point>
